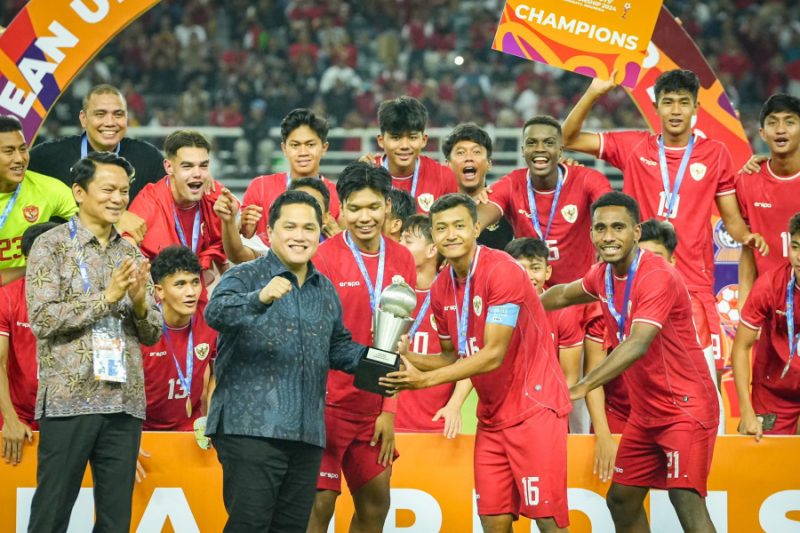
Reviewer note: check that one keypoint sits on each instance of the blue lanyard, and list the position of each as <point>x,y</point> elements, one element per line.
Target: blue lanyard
<point>462,319</point>
<point>414,180</point>
<point>620,317</point>
<point>85,146</point>
<point>195,228</point>
<point>184,379</point>
<point>669,201</point>
<point>374,290</point>
<point>288,180</point>
<point>793,338</point>
<point>422,312</point>
<point>9,206</point>
<point>73,235</point>
<point>532,205</point>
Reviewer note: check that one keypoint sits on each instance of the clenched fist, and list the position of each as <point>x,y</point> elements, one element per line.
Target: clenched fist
<point>276,289</point>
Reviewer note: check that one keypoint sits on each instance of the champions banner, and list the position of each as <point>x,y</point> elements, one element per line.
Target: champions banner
<point>752,487</point>
<point>46,46</point>
<point>590,37</point>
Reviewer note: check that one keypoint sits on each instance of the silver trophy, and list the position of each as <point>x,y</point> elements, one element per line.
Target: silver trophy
<point>391,321</point>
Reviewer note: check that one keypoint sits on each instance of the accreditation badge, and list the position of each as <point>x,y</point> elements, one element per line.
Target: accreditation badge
<point>108,351</point>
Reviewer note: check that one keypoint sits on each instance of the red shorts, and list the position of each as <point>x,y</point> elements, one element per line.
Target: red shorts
<point>676,455</point>
<point>616,420</point>
<point>348,450</point>
<point>523,469</point>
<point>708,324</point>
<point>788,410</point>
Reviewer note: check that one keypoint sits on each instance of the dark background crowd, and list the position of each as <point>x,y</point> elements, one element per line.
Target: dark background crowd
<point>248,62</point>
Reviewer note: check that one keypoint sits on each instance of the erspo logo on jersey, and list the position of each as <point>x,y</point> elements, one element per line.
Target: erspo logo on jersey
<point>47,44</point>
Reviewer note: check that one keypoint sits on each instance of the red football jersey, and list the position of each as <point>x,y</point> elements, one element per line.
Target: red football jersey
<point>166,397</point>
<point>335,261</point>
<point>615,391</point>
<point>434,180</point>
<point>263,191</point>
<point>571,248</point>
<point>22,368</point>
<point>765,311</point>
<point>671,380</point>
<point>417,407</point>
<point>530,377</point>
<point>566,327</point>
<point>709,174</point>
<point>767,202</point>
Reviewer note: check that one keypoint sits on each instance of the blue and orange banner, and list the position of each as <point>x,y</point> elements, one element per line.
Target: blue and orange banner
<point>590,37</point>
<point>46,46</point>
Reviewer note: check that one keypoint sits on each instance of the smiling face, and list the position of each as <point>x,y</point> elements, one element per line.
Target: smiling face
<point>614,233</point>
<point>676,109</point>
<point>364,213</point>
<point>454,232</point>
<point>295,235</point>
<point>402,149</point>
<point>189,175</point>
<point>537,269</point>
<point>14,159</point>
<point>470,162</point>
<point>304,149</point>
<point>541,148</point>
<point>105,120</point>
<point>781,132</point>
<point>106,195</point>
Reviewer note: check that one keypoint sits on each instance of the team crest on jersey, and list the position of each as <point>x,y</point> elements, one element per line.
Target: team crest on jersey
<point>433,323</point>
<point>31,213</point>
<point>425,201</point>
<point>201,351</point>
<point>477,305</point>
<point>570,213</point>
<point>698,171</point>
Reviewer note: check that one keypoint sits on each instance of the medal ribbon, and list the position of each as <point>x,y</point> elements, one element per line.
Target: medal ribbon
<point>462,319</point>
<point>793,338</point>
<point>671,197</point>
<point>9,206</point>
<point>374,290</point>
<point>418,320</point>
<point>184,379</point>
<point>532,205</point>
<point>620,317</point>
<point>414,180</point>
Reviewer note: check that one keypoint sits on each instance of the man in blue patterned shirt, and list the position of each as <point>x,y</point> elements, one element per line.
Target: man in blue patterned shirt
<point>280,325</point>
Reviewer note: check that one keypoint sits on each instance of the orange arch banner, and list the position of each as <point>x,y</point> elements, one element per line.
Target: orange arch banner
<point>46,46</point>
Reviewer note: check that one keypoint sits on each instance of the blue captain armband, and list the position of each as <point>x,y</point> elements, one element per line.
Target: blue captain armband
<point>505,315</point>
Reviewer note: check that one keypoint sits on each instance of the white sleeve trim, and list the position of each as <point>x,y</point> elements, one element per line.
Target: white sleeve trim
<point>602,145</point>
<point>594,339</point>
<point>502,213</point>
<point>445,337</point>
<point>726,193</point>
<point>749,325</point>
<point>565,346</point>
<point>5,333</point>
<point>648,321</point>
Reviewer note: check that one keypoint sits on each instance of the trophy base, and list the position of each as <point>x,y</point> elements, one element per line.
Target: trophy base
<point>375,364</point>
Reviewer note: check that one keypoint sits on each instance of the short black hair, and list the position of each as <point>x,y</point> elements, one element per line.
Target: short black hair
<point>675,81</point>
<point>618,199</point>
<point>9,123</point>
<point>528,247</point>
<point>32,233</point>
<point>304,117</point>
<point>182,139</point>
<point>467,132</point>
<point>545,120</point>
<point>290,198</point>
<point>82,172</point>
<point>103,88</point>
<point>403,205</point>
<point>660,231</point>
<point>316,184</point>
<point>174,259</point>
<point>420,224</point>
<point>402,115</point>
<point>777,103</point>
<point>358,175</point>
<point>455,199</point>
<point>794,224</point>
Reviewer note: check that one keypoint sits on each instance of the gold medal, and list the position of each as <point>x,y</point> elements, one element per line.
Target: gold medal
<point>188,407</point>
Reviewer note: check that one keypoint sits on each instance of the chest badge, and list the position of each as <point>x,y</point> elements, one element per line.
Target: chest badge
<point>425,201</point>
<point>31,213</point>
<point>570,213</point>
<point>477,305</point>
<point>698,171</point>
<point>201,351</point>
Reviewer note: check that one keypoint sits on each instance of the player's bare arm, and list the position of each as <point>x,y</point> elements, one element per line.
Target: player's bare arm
<point>585,141</point>
<point>628,352</point>
<point>737,228</point>
<point>15,432</point>
<point>747,274</point>
<point>564,295</point>
<point>497,338</point>
<point>426,363</point>
<point>488,215</point>
<point>740,356</point>
<point>605,447</point>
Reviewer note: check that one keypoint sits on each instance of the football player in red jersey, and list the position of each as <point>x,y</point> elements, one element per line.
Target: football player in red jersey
<point>177,369</point>
<point>770,321</point>
<point>402,122</point>
<point>768,196</point>
<point>676,175</point>
<point>669,437</point>
<point>493,330</point>
<point>360,263</point>
<point>549,200</point>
